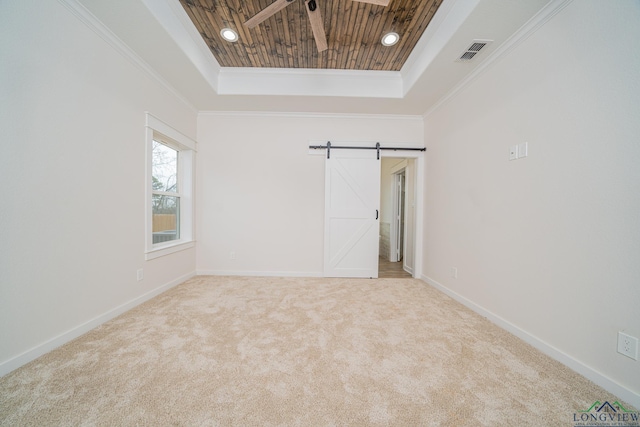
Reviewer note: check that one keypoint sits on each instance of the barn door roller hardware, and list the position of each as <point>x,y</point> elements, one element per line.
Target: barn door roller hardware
<point>330,147</point>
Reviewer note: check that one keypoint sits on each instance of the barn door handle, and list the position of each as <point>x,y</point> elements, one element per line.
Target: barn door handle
<point>376,213</point>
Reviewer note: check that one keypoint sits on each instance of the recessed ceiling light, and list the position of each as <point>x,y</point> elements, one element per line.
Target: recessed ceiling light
<point>229,35</point>
<point>390,39</point>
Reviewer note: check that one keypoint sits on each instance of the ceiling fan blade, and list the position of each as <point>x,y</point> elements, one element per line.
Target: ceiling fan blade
<point>384,3</point>
<point>317,25</point>
<point>267,12</point>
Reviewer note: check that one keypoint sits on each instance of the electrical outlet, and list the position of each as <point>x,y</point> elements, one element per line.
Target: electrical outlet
<point>628,345</point>
<point>140,274</point>
<point>454,272</point>
<point>232,255</point>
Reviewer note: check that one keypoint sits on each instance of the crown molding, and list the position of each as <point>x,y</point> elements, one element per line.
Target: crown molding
<point>93,23</point>
<point>266,114</point>
<point>530,27</point>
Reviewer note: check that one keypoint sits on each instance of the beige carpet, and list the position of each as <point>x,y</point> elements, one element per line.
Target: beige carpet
<point>235,351</point>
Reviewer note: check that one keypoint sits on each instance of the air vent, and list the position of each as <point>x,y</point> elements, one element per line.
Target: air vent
<point>473,50</point>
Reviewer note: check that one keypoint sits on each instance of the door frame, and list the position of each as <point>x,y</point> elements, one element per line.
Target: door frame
<point>395,235</point>
<point>418,240</point>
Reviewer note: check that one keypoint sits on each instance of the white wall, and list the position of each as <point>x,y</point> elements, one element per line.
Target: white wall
<point>72,114</point>
<point>549,243</point>
<point>261,194</point>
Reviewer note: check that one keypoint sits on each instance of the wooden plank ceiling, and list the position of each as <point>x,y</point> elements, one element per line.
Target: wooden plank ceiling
<point>285,40</point>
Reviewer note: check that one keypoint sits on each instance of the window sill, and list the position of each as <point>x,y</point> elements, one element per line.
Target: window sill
<point>167,250</point>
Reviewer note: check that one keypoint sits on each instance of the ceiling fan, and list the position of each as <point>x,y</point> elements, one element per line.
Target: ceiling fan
<point>317,25</point>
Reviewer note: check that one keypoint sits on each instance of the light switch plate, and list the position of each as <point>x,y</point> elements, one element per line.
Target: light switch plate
<point>523,150</point>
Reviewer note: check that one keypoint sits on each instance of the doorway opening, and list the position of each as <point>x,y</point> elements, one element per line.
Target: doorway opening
<point>398,198</point>
<point>397,220</point>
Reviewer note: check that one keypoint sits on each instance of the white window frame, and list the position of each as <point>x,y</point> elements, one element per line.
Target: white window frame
<point>157,130</point>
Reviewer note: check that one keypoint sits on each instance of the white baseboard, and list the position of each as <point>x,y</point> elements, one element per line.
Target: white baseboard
<point>603,381</point>
<point>260,273</point>
<point>37,351</point>
<point>408,270</point>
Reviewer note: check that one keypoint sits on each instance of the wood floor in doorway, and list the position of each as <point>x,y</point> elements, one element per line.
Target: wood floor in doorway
<point>391,270</point>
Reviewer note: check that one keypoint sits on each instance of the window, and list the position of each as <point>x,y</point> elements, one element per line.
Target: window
<point>170,160</point>
<point>165,193</point>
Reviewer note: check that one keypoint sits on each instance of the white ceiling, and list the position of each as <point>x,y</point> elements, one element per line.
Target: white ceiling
<point>160,36</point>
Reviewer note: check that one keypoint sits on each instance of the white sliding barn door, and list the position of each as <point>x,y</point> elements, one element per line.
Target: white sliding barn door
<point>352,203</point>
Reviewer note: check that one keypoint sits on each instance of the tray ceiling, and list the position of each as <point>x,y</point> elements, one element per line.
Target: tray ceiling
<point>354,31</point>
<point>159,36</point>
